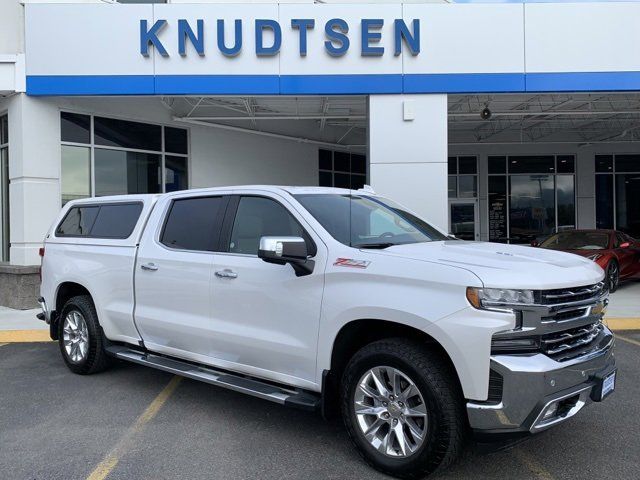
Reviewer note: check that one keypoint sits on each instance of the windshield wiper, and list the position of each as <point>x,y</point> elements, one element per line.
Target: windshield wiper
<point>379,245</point>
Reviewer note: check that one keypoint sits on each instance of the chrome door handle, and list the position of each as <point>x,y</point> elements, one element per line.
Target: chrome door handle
<point>226,273</point>
<point>149,266</point>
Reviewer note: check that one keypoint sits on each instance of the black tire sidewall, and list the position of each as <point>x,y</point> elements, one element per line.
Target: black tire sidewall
<point>420,460</point>
<point>85,307</point>
<point>614,287</point>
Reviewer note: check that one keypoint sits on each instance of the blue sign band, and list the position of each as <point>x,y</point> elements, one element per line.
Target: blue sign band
<point>330,84</point>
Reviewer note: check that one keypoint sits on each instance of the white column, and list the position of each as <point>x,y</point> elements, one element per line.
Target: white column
<point>408,157</point>
<point>34,175</point>
<point>586,187</point>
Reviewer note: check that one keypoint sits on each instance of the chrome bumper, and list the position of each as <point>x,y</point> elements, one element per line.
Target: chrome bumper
<point>532,383</point>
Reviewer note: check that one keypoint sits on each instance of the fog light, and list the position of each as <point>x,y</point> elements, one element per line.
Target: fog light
<point>550,411</point>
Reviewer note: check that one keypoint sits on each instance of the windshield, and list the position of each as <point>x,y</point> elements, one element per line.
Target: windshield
<point>577,241</point>
<point>367,222</point>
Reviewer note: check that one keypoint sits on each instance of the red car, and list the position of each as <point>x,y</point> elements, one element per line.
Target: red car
<point>617,253</point>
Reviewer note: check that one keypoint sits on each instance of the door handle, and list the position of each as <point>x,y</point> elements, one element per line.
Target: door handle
<point>149,266</point>
<point>226,273</point>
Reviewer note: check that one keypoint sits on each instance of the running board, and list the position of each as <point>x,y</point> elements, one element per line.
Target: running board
<point>294,398</point>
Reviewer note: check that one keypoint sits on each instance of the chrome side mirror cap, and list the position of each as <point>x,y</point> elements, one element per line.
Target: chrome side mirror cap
<point>283,250</point>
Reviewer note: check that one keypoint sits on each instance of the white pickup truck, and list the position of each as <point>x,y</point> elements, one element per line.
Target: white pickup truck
<point>336,300</point>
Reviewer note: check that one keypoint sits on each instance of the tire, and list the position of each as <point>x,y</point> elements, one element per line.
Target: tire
<point>82,344</point>
<point>443,425</point>
<point>613,276</point>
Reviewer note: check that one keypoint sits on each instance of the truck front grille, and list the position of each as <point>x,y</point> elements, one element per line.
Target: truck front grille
<point>569,295</point>
<point>562,324</point>
<point>572,343</point>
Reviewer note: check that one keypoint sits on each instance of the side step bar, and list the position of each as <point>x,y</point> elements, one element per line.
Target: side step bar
<point>290,397</point>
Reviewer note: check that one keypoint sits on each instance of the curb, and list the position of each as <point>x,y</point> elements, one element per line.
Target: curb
<point>24,336</point>
<point>616,324</point>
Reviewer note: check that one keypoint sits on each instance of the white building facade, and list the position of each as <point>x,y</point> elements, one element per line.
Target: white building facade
<point>500,122</point>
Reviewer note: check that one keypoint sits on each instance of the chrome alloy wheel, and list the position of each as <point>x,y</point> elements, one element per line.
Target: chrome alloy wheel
<point>614,277</point>
<point>391,412</point>
<point>75,336</point>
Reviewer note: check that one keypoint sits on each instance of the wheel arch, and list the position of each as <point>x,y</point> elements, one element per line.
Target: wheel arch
<point>356,334</point>
<point>64,292</point>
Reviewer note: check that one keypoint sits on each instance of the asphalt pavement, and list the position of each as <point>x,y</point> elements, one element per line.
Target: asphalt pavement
<point>133,422</point>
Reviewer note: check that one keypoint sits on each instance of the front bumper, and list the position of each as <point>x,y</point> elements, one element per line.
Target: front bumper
<point>531,383</point>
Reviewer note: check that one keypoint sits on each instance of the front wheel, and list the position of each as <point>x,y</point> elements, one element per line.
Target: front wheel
<point>80,337</point>
<point>402,408</point>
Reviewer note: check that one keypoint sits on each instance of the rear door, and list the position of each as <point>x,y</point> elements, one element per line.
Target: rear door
<point>173,275</point>
<point>266,317</point>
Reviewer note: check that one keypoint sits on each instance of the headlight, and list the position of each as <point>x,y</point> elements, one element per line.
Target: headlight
<point>498,299</point>
<point>595,256</point>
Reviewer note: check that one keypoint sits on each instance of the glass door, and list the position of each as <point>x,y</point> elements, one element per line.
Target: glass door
<point>463,219</point>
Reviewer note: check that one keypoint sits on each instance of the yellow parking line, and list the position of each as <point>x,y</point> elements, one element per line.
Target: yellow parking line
<point>623,323</point>
<point>533,465</point>
<point>628,340</point>
<point>24,336</point>
<point>111,460</point>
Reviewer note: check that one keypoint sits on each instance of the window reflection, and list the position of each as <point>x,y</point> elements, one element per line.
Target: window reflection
<point>565,191</point>
<point>627,201</point>
<point>119,172</point>
<point>76,173</point>
<point>532,206</point>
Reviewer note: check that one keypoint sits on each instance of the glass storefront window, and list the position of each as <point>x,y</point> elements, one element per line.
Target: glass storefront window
<point>75,128</point>
<point>467,186</point>
<point>107,156</point>
<point>566,200</point>
<point>452,186</point>
<point>627,203</point>
<point>604,201</point>
<point>618,193</point>
<point>175,173</point>
<point>531,164</point>
<point>463,177</point>
<point>341,169</point>
<point>119,172</point>
<point>532,209</point>
<point>112,132</point>
<point>76,173</point>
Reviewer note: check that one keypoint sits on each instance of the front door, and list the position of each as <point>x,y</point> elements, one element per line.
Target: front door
<point>463,219</point>
<point>266,316</point>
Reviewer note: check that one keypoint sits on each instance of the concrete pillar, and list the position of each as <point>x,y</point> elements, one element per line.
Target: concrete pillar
<point>586,187</point>
<point>34,175</point>
<point>408,157</point>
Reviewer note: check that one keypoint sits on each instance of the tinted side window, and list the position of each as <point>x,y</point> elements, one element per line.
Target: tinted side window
<point>258,217</point>
<point>193,223</point>
<point>116,221</point>
<point>77,222</point>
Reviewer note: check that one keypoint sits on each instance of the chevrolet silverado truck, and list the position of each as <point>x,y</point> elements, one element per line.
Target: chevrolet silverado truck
<point>334,300</point>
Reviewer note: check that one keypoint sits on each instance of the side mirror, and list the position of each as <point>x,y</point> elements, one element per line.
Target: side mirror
<point>625,245</point>
<point>283,250</point>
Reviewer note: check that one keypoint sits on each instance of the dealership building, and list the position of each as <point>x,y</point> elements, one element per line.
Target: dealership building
<point>498,122</point>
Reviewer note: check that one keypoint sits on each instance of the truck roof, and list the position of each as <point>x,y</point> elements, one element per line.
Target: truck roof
<point>293,190</point>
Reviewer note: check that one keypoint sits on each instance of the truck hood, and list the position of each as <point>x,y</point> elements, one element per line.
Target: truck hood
<point>506,266</point>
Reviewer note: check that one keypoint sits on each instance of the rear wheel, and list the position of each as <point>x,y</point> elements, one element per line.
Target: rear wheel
<point>80,337</point>
<point>613,276</point>
<point>402,408</point>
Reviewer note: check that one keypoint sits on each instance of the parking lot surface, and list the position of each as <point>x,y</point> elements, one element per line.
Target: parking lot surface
<point>133,422</point>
